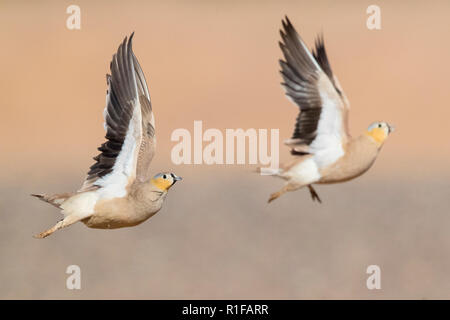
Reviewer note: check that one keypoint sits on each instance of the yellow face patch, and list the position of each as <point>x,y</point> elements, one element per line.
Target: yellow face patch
<point>162,184</point>
<point>378,134</point>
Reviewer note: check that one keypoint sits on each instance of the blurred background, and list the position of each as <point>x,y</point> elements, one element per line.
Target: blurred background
<point>216,237</point>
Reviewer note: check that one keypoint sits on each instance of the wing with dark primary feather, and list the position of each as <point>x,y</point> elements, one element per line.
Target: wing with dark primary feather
<point>309,82</point>
<point>130,128</point>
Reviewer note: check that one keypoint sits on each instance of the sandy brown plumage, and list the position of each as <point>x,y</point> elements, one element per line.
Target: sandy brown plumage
<point>118,190</point>
<point>323,150</point>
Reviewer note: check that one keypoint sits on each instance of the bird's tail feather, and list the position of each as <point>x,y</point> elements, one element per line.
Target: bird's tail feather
<point>268,171</point>
<point>55,200</point>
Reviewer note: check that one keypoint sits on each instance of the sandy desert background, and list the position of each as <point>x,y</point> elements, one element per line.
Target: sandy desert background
<point>216,237</point>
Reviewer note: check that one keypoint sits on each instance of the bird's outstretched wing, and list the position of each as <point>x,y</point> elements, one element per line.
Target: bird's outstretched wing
<point>130,128</point>
<point>321,126</point>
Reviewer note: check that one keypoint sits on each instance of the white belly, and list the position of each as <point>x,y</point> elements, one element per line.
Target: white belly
<point>81,205</point>
<point>305,172</point>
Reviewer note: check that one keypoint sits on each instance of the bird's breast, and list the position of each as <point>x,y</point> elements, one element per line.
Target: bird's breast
<point>359,157</point>
<point>120,213</point>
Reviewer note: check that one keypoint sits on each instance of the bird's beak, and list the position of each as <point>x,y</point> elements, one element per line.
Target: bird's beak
<point>391,128</point>
<point>176,178</point>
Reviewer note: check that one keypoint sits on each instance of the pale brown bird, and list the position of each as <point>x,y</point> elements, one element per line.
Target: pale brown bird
<point>118,190</point>
<point>323,149</point>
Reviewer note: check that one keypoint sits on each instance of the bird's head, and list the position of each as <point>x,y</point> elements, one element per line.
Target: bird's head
<point>379,131</point>
<point>165,180</point>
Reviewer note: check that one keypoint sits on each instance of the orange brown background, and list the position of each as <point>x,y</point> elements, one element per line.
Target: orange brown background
<point>216,236</point>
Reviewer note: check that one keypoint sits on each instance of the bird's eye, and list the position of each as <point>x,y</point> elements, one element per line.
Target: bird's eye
<point>164,177</point>
<point>379,125</point>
